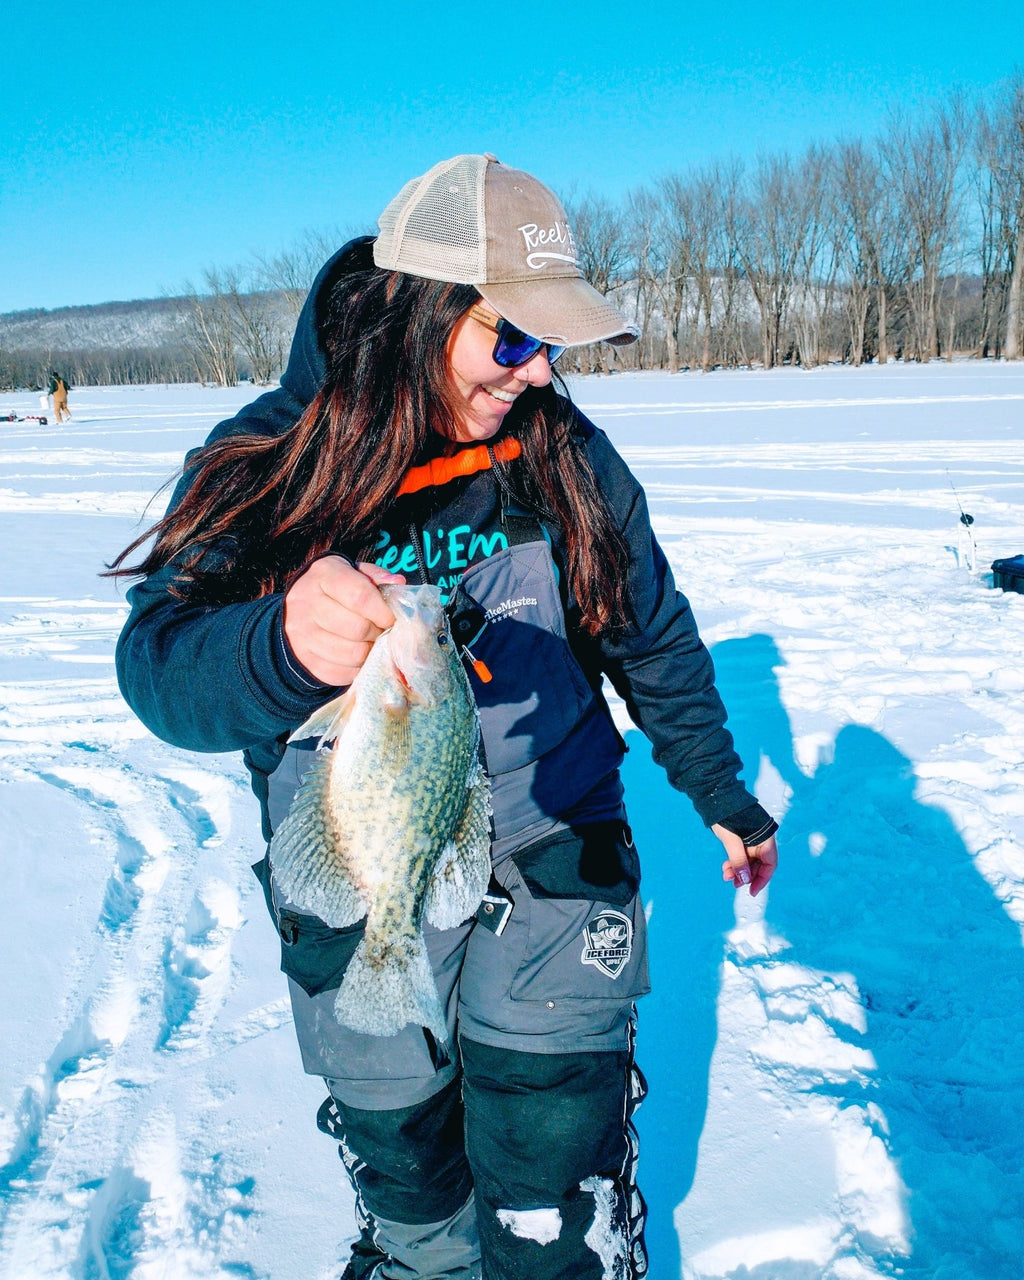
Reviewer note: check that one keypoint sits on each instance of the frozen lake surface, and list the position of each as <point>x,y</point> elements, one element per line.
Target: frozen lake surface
<point>836,1070</point>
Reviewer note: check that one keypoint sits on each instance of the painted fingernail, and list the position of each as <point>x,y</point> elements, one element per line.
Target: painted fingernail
<point>741,877</point>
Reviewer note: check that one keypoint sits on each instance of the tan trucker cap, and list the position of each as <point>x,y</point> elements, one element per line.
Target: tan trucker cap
<point>473,220</point>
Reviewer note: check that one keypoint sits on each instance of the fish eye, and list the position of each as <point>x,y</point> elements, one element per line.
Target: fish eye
<point>442,638</point>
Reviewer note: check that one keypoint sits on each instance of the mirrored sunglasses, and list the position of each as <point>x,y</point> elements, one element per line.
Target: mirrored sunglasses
<point>514,347</point>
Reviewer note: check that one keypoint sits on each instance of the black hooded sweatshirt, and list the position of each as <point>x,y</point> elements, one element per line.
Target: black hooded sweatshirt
<point>222,677</point>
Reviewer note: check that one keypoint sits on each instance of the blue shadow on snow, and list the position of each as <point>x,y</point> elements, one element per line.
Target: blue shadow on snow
<point>894,899</point>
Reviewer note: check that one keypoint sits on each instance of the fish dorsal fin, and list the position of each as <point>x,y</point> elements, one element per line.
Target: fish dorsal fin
<point>327,721</point>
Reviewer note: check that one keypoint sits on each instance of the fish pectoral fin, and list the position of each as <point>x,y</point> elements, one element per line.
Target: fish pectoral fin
<point>395,702</point>
<point>396,733</point>
<point>461,874</point>
<point>327,721</point>
<point>308,865</point>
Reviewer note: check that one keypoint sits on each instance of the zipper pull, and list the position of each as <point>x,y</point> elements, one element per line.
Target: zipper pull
<point>479,666</point>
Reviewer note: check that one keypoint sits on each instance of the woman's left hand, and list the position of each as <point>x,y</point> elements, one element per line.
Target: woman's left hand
<point>753,866</point>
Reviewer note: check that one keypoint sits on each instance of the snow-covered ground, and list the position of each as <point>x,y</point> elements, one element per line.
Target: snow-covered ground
<point>837,1070</point>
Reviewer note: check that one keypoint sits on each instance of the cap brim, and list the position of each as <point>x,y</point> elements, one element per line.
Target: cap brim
<point>564,310</point>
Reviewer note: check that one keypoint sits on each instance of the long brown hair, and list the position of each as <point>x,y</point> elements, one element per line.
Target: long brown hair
<point>258,508</point>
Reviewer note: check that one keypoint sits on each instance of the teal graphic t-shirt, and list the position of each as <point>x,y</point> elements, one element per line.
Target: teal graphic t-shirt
<point>451,522</point>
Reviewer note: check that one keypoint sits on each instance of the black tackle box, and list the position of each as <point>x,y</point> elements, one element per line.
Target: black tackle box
<point>1009,573</point>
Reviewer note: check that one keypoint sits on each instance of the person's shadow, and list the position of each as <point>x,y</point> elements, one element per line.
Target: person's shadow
<point>889,895</point>
<point>893,898</point>
<point>691,909</point>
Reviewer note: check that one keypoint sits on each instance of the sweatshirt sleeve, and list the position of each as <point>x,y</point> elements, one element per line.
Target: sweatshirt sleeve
<point>212,678</point>
<point>660,666</point>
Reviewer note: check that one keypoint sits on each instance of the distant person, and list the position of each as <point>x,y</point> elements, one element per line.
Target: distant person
<point>59,391</point>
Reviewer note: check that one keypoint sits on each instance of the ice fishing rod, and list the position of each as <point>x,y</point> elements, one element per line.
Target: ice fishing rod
<point>966,522</point>
<point>965,519</point>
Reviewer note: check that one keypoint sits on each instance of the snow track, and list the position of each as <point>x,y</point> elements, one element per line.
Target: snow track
<point>129,1145</point>
<point>151,975</point>
<point>101,1174</point>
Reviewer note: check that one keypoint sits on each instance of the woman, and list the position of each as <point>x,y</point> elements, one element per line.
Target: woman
<point>417,435</point>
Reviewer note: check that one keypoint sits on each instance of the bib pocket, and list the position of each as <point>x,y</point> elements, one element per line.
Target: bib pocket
<point>312,953</point>
<point>572,957</point>
<point>588,931</point>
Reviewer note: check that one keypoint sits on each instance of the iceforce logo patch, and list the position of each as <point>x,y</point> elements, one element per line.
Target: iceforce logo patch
<point>608,942</point>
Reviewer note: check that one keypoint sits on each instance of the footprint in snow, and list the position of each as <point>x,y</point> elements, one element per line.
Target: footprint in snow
<point>156,1207</point>
<point>197,965</point>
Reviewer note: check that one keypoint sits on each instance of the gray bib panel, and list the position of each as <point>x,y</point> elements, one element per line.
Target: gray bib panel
<point>547,737</point>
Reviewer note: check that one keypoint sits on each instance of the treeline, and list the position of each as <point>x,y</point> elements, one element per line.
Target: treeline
<point>236,323</point>
<point>95,366</point>
<point>908,245</point>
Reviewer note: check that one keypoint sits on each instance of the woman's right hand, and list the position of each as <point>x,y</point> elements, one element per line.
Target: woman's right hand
<point>332,615</point>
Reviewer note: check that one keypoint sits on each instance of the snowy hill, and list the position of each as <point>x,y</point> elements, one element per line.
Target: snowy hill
<point>149,322</point>
<point>154,340</point>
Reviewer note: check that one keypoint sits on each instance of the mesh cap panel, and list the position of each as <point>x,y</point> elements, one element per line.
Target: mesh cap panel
<point>435,225</point>
<point>472,220</point>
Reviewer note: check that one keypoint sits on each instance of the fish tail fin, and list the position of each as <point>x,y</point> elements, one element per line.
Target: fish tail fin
<point>387,985</point>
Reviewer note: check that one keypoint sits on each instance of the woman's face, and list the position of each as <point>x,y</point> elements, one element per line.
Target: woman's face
<point>485,391</point>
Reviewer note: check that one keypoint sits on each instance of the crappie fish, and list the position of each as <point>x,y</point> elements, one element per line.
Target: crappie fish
<point>392,823</point>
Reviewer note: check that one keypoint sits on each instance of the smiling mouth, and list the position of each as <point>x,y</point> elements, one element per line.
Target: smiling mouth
<point>503,397</point>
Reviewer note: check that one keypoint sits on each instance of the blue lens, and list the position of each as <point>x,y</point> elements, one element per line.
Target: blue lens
<point>514,347</point>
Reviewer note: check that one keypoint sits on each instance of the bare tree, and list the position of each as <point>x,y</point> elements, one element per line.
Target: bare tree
<point>770,232</point>
<point>208,330</point>
<point>259,321</point>
<point>659,220</point>
<point>874,238</point>
<point>1000,183</point>
<point>817,257</point>
<point>990,243</point>
<point>1014,340</point>
<point>643,289</point>
<point>292,271</point>
<point>923,161</point>
<point>681,258</point>
<point>711,191</point>
<point>602,248</point>
<point>858,180</point>
<point>732,294</point>
<point>231,322</point>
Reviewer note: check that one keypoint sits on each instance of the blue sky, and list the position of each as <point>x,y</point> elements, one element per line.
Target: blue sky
<point>141,144</point>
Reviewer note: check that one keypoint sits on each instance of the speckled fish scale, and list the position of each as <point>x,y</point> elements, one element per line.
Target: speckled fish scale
<point>393,822</point>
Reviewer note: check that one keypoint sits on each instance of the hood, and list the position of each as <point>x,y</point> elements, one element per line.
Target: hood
<point>307,364</point>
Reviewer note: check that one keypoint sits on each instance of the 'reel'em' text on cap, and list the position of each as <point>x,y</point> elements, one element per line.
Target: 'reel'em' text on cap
<point>472,220</point>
